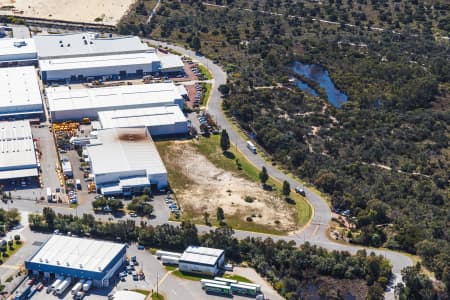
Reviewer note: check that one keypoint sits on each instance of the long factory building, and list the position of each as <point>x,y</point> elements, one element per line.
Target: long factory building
<point>20,96</point>
<point>67,103</point>
<point>78,258</point>
<point>18,159</point>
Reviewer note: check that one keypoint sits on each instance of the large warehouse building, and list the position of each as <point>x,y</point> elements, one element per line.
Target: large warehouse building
<point>105,67</point>
<point>124,161</point>
<point>202,260</point>
<point>75,104</point>
<point>53,46</point>
<point>18,158</point>
<point>160,120</point>
<point>78,258</point>
<point>17,52</point>
<point>20,95</point>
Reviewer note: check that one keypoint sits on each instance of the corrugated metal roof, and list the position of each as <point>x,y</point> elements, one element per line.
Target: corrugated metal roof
<point>85,44</point>
<point>105,61</point>
<point>16,147</point>
<point>201,255</point>
<point>12,174</point>
<point>123,150</point>
<point>77,253</point>
<point>65,99</point>
<point>171,61</point>
<point>19,89</point>
<point>138,117</point>
<point>10,48</point>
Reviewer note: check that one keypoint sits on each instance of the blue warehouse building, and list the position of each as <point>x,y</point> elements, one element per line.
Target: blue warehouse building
<point>78,258</point>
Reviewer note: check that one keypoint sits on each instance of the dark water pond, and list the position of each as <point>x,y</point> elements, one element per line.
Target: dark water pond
<point>320,76</point>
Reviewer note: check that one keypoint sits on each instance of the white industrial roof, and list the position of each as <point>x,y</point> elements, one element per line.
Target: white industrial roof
<point>139,117</point>
<point>64,98</point>
<point>77,253</point>
<point>17,153</point>
<point>182,90</point>
<point>12,47</point>
<point>201,255</point>
<point>125,149</point>
<point>19,89</point>
<point>103,61</point>
<point>128,295</point>
<point>86,44</point>
<point>171,61</point>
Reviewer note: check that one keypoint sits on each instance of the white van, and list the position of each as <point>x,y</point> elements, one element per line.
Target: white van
<point>251,147</point>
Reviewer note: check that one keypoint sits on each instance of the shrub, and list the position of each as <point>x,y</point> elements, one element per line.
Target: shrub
<point>249,199</point>
<point>249,219</point>
<point>9,279</point>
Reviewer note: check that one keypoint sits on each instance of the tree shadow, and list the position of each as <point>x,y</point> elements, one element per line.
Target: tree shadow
<point>289,200</point>
<point>229,155</point>
<point>267,187</point>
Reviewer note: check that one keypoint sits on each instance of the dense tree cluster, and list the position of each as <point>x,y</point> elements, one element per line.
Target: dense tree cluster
<point>8,219</point>
<point>286,266</point>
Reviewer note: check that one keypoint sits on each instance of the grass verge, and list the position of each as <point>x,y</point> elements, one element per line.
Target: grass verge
<point>237,277</point>
<point>170,268</point>
<point>193,277</point>
<point>206,93</point>
<point>205,71</point>
<point>10,252</point>
<point>156,296</point>
<point>143,292</point>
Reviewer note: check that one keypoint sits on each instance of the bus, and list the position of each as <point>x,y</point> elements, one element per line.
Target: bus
<point>225,280</point>
<point>209,281</point>
<point>242,289</point>
<point>257,286</point>
<point>217,289</point>
<point>251,147</point>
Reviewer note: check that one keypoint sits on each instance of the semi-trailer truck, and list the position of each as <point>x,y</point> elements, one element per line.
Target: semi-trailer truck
<point>87,285</point>
<point>77,287</point>
<point>63,286</point>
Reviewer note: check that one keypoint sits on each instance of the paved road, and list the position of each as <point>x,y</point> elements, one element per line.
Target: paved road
<point>316,231</point>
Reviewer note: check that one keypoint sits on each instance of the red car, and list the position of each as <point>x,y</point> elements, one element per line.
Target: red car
<point>30,282</point>
<point>40,287</point>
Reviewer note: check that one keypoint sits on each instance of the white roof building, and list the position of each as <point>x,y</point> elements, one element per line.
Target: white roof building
<point>171,63</point>
<point>125,159</point>
<point>17,51</point>
<point>86,44</point>
<point>160,120</point>
<point>78,258</point>
<point>19,92</point>
<point>75,104</point>
<point>203,260</point>
<point>17,153</point>
<point>104,66</point>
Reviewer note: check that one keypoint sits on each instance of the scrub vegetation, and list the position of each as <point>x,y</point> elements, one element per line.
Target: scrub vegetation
<point>384,155</point>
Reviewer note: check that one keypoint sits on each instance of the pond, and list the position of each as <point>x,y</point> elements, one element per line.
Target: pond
<point>320,76</point>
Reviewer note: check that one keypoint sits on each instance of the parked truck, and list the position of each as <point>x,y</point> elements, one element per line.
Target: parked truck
<point>80,295</point>
<point>77,287</point>
<point>63,286</point>
<point>55,284</point>
<point>49,194</point>
<point>87,285</point>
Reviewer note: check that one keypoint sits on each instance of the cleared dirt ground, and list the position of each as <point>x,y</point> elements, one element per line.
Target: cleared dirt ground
<point>201,186</point>
<point>70,10</point>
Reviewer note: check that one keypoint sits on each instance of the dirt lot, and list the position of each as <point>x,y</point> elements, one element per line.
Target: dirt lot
<point>81,10</point>
<point>201,186</point>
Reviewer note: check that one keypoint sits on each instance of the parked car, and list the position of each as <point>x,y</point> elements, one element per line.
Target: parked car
<point>300,191</point>
<point>133,215</point>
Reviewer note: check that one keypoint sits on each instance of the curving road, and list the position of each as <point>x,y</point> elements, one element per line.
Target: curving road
<point>316,231</point>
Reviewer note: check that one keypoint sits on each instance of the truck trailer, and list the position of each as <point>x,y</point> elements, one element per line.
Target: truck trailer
<point>63,286</point>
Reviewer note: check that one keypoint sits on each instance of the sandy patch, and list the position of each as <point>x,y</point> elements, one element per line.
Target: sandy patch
<point>70,10</point>
<point>213,187</point>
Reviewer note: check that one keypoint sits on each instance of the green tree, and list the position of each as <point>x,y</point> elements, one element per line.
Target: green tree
<point>49,216</point>
<point>224,141</point>
<point>286,189</point>
<point>206,218</point>
<point>195,43</point>
<point>220,214</point>
<point>263,176</point>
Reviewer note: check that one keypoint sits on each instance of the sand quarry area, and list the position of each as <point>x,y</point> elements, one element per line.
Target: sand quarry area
<point>207,187</point>
<point>109,11</point>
